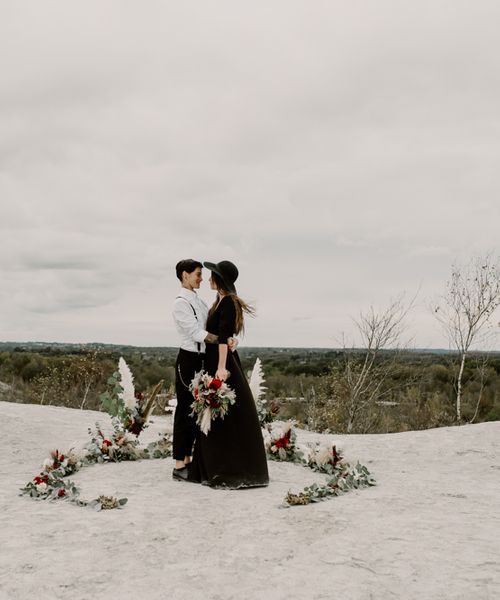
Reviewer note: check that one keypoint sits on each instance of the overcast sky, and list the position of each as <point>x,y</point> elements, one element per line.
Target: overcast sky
<point>340,153</point>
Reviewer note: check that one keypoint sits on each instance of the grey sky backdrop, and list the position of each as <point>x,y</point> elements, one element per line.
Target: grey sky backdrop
<point>338,152</point>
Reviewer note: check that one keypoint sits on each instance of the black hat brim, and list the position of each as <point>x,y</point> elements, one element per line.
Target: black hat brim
<point>213,267</point>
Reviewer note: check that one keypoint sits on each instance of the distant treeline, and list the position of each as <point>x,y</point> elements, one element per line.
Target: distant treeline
<point>416,392</point>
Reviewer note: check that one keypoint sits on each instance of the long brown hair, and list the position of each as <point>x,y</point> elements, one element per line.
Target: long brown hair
<point>239,304</point>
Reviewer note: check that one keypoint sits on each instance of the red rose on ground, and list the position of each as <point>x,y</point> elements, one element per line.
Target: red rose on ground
<point>282,442</point>
<point>61,493</point>
<point>215,384</point>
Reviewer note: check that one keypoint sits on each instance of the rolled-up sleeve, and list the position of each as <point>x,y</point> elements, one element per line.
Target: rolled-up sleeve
<point>186,322</point>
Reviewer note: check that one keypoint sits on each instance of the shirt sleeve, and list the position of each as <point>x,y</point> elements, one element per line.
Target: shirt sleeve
<point>187,322</point>
<point>227,320</point>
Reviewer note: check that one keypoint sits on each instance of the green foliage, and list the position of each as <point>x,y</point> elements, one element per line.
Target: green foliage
<point>344,479</point>
<point>110,399</point>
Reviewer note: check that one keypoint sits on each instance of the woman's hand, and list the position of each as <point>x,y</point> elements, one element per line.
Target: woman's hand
<point>232,343</point>
<point>222,374</point>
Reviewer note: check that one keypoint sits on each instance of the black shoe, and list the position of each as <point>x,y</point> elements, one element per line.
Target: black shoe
<point>180,474</point>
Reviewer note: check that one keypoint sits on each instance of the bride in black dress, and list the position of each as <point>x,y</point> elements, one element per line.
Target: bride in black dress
<point>232,454</point>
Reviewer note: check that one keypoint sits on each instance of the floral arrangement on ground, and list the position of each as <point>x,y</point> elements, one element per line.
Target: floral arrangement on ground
<point>280,441</point>
<point>130,414</point>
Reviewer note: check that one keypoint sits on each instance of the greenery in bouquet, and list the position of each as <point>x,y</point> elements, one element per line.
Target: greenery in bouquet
<point>212,399</point>
<point>344,479</point>
<point>161,448</point>
<point>121,401</point>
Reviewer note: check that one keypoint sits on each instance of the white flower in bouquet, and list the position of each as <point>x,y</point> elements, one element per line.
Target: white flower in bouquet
<point>48,463</point>
<point>76,455</point>
<point>257,382</point>
<point>279,429</point>
<point>322,455</point>
<point>41,487</point>
<point>127,382</point>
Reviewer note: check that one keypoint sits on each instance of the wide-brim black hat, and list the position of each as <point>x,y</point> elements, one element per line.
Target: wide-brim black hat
<point>227,271</point>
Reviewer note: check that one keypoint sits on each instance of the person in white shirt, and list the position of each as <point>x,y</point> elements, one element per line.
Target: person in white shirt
<point>190,316</point>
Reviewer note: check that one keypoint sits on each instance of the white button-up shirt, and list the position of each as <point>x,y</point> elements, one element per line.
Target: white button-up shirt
<point>191,328</point>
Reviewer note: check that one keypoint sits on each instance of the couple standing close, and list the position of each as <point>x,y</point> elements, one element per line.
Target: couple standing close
<point>232,454</point>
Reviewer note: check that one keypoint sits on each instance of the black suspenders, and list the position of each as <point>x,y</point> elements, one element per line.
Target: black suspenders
<point>195,316</point>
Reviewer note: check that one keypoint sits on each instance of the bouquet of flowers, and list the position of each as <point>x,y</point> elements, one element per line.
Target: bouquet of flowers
<point>49,484</point>
<point>280,441</point>
<point>212,398</point>
<point>325,459</point>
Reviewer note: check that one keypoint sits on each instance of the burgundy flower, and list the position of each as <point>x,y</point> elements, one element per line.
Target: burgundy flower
<point>61,493</point>
<point>106,443</point>
<point>136,428</point>
<point>336,458</point>
<point>282,442</point>
<point>41,479</point>
<point>215,384</point>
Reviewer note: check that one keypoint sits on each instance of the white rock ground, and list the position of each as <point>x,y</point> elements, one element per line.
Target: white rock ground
<point>429,530</point>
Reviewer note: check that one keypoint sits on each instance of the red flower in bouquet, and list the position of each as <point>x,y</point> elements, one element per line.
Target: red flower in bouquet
<point>41,479</point>
<point>212,401</point>
<point>61,493</point>
<point>107,443</point>
<point>215,384</point>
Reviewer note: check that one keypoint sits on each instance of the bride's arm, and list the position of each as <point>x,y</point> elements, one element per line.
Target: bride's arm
<point>227,322</point>
<point>221,368</point>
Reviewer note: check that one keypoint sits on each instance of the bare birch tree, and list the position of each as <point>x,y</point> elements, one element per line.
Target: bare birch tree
<point>364,376</point>
<point>465,310</point>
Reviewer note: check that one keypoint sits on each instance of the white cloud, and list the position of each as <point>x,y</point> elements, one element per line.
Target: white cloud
<point>338,153</point>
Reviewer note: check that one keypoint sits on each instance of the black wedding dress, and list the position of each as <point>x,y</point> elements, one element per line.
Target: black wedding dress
<point>232,454</point>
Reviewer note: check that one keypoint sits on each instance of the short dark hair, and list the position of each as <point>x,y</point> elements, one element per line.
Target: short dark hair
<point>189,265</point>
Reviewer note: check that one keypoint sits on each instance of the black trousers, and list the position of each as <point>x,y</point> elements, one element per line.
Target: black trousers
<point>187,364</point>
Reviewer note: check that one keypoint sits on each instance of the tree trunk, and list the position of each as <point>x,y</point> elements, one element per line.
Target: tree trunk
<point>87,388</point>
<point>459,388</point>
<point>352,415</point>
